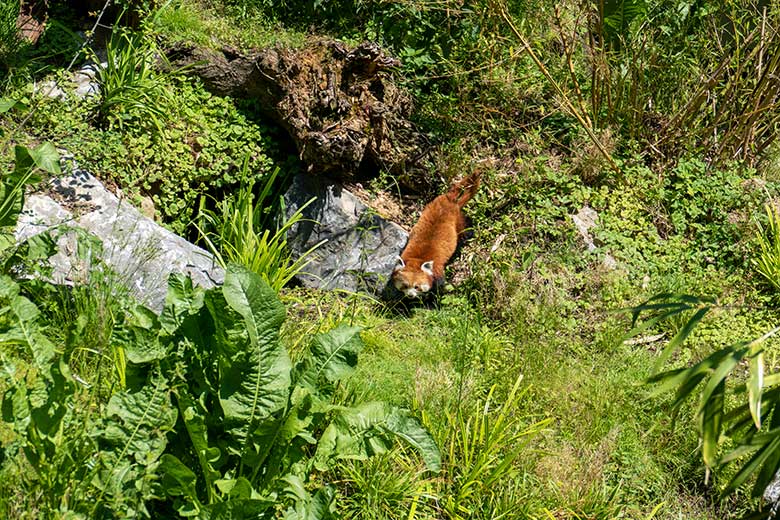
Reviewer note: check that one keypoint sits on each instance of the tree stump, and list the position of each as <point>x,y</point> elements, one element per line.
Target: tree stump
<point>340,106</point>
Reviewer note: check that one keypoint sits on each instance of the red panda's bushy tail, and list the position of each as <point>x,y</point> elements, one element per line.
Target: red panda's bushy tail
<point>461,192</point>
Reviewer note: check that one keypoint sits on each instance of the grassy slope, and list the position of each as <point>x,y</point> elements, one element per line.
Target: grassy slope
<point>610,450</point>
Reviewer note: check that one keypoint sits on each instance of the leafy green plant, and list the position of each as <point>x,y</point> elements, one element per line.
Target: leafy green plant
<point>768,262</point>
<point>27,165</point>
<point>130,88</point>
<point>710,207</point>
<point>83,315</point>
<point>753,420</point>
<point>616,16</point>
<point>259,425</point>
<point>78,462</point>
<point>11,42</point>
<point>215,418</point>
<point>201,150</point>
<point>238,232</point>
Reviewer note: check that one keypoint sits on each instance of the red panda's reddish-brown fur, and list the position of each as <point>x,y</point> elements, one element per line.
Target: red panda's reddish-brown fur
<point>433,239</point>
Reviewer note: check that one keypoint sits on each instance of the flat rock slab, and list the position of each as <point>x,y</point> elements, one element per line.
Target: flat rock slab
<point>139,253</point>
<point>360,248</point>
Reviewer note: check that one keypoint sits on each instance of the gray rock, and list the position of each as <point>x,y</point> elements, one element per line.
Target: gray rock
<point>586,219</point>
<point>361,247</point>
<point>82,84</point>
<point>772,495</point>
<point>138,253</point>
<point>85,80</point>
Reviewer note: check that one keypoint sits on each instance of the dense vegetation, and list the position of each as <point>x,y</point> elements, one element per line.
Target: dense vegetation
<point>518,394</point>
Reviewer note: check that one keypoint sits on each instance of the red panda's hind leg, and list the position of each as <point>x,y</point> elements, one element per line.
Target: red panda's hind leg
<point>465,231</point>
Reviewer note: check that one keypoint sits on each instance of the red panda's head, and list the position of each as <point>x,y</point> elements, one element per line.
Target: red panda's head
<point>413,277</point>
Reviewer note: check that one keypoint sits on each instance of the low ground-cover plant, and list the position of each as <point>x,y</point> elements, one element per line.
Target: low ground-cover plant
<point>200,149</point>
<point>215,420</point>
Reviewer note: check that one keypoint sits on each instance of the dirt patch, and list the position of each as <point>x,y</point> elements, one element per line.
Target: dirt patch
<point>404,211</point>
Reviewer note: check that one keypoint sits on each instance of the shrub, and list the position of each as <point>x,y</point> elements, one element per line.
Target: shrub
<point>11,42</point>
<point>199,150</point>
<point>737,411</point>
<point>215,418</point>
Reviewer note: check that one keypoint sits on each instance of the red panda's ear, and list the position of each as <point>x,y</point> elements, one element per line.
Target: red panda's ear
<point>427,267</point>
<point>399,264</point>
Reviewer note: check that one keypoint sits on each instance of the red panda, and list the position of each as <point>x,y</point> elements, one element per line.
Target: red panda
<point>433,239</point>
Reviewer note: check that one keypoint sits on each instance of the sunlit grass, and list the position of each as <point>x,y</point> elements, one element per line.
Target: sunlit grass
<point>201,22</point>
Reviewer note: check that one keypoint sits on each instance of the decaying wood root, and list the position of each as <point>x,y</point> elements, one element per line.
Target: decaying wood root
<point>340,106</point>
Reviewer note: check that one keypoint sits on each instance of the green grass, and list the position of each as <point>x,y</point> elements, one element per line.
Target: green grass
<point>213,25</point>
<point>610,449</point>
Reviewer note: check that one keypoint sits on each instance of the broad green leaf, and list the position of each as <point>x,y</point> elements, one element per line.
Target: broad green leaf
<point>46,158</point>
<point>721,370</point>
<point>138,422</point>
<point>254,367</point>
<point>23,172</point>
<point>139,334</point>
<point>756,380</point>
<point>756,387</point>
<point>711,416</point>
<point>680,338</point>
<point>768,470</point>
<point>53,401</point>
<point>236,488</point>
<point>8,287</point>
<point>12,188</point>
<point>182,300</point>
<point>194,416</point>
<point>178,480</point>
<point>283,441</point>
<point>409,430</point>
<point>15,407</point>
<point>332,356</point>
<point>7,104</point>
<point>240,509</point>
<point>678,377</point>
<point>740,420</point>
<point>753,465</point>
<point>369,429</point>
<point>618,16</point>
<point>29,252</point>
<point>350,435</point>
<point>750,443</point>
<point>685,389</point>
<point>306,506</point>
<point>25,330</point>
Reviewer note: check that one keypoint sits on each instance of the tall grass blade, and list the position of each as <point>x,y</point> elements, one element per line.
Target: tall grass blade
<point>679,338</point>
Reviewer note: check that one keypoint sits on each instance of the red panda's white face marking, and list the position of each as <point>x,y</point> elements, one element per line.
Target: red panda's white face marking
<point>413,282</point>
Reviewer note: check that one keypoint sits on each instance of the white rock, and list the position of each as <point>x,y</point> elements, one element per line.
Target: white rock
<point>140,253</point>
